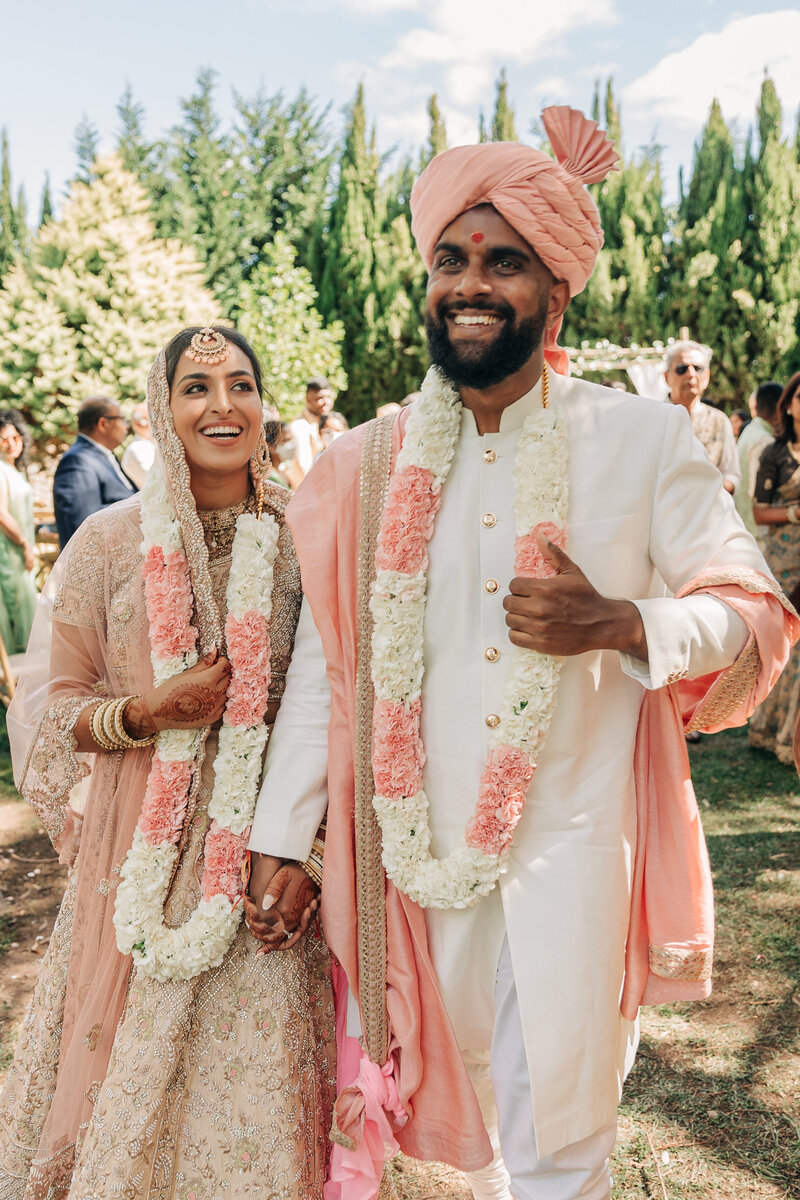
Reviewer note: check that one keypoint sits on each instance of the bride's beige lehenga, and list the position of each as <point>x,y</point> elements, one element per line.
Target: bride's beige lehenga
<point>220,1086</point>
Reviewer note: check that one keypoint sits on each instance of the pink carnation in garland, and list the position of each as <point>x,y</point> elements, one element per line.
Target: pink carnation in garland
<point>161,820</point>
<point>411,505</point>
<point>529,560</point>
<point>222,867</point>
<point>501,799</point>
<point>248,645</point>
<point>398,755</point>
<point>168,597</point>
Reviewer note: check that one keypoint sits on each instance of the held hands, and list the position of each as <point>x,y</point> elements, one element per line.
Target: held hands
<point>281,902</point>
<point>191,700</point>
<point>566,615</point>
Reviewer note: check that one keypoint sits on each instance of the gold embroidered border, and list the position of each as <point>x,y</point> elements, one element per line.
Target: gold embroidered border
<point>370,877</point>
<point>746,578</point>
<point>672,963</point>
<point>733,686</point>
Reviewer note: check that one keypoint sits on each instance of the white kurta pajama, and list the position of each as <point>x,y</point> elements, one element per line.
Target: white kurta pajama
<point>647,512</point>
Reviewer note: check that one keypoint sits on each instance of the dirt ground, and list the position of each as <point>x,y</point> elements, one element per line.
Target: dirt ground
<point>712,1108</point>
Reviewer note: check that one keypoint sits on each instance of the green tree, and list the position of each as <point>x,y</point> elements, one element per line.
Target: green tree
<point>202,205</point>
<point>279,318</point>
<point>347,290</point>
<point>87,141</point>
<point>134,150</point>
<point>283,152</point>
<point>503,128</point>
<point>101,293</point>
<point>46,204</point>
<point>437,135</point>
<point>771,243</point>
<point>9,233</point>
<point>622,301</point>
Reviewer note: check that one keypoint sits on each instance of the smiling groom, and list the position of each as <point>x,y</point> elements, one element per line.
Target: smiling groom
<point>484,693</point>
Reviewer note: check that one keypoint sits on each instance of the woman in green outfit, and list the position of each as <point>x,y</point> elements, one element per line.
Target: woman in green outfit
<point>17,585</point>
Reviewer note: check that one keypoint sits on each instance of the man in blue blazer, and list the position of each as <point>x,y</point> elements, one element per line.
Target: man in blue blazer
<point>89,477</point>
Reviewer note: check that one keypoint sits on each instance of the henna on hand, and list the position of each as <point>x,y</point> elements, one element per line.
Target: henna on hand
<point>136,719</point>
<point>306,893</point>
<point>188,703</point>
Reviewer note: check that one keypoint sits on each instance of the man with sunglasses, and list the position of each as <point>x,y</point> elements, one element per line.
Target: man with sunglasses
<point>687,374</point>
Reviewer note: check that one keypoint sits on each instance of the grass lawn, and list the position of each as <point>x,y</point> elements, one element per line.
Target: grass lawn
<point>712,1107</point>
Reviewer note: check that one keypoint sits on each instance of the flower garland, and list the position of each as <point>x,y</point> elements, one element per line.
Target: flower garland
<point>202,941</point>
<point>398,608</point>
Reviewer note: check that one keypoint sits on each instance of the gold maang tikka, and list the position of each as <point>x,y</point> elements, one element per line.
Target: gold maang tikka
<point>209,346</point>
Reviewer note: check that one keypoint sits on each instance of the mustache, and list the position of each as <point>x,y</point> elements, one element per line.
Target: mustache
<point>499,308</point>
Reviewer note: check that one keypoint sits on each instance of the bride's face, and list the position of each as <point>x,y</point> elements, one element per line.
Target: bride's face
<point>217,413</point>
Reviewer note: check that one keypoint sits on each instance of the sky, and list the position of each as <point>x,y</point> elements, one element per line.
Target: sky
<point>61,60</point>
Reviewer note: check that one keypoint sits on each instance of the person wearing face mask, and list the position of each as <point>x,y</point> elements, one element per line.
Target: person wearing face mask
<point>17,534</point>
<point>686,370</point>
<point>285,468</point>
<point>166,1053</point>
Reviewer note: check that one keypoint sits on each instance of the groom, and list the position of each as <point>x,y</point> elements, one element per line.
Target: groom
<point>498,1032</point>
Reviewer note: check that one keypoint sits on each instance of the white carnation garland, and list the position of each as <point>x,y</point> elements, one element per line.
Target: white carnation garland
<point>398,607</point>
<point>202,941</point>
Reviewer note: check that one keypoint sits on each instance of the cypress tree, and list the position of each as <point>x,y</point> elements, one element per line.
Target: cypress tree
<point>87,141</point>
<point>622,300</point>
<point>9,236</point>
<point>282,149</point>
<point>202,205</point>
<point>46,205</point>
<point>437,135</point>
<point>347,291</point>
<point>503,128</point>
<point>771,242</point>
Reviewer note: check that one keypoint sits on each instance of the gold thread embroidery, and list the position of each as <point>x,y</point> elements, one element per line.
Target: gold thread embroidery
<point>732,687</point>
<point>370,877</point>
<point>671,962</point>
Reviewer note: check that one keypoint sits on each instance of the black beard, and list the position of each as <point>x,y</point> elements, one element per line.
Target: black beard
<point>506,355</point>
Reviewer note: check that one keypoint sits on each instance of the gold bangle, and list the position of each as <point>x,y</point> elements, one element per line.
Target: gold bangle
<point>96,726</point>
<point>313,870</point>
<point>108,723</point>
<point>122,735</point>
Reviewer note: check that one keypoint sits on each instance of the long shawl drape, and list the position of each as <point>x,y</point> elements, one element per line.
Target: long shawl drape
<point>665,936</point>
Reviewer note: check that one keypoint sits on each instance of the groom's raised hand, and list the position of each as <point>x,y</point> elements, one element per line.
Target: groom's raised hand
<point>564,614</point>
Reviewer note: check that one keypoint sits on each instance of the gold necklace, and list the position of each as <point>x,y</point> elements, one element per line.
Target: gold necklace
<point>545,386</point>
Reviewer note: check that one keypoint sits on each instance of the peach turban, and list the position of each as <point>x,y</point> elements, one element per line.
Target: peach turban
<point>544,199</point>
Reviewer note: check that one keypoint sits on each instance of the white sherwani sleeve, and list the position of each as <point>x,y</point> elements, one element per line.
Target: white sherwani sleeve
<point>294,794</point>
<point>694,528</point>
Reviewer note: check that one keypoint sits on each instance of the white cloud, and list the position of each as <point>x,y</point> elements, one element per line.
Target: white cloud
<point>729,65</point>
<point>470,32</point>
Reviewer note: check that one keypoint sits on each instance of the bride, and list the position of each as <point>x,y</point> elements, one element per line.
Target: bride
<point>164,1053</point>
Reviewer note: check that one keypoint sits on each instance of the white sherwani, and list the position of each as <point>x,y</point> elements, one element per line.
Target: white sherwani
<point>647,512</point>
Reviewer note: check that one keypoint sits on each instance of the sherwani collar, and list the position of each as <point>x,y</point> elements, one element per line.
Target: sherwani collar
<point>513,417</point>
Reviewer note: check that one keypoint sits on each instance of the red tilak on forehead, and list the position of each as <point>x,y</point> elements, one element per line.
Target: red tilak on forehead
<point>477,236</point>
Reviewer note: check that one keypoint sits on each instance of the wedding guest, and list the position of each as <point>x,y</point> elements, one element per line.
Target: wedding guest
<point>305,431</point>
<point>139,454</point>
<point>89,477</point>
<point>163,1053</point>
<point>331,426</point>
<point>687,372</point>
<point>776,510</point>
<point>18,593</point>
<point>754,438</point>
